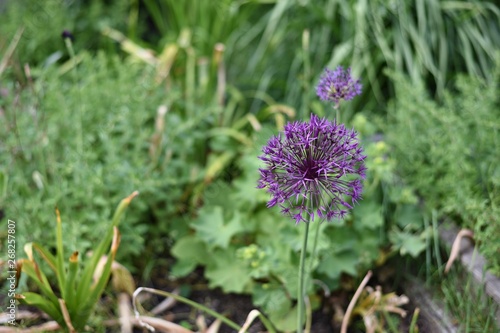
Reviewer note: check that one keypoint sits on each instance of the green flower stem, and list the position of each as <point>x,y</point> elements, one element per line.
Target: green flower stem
<point>315,243</point>
<point>301,293</point>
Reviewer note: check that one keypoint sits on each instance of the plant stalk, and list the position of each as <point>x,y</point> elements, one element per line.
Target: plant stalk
<point>301,293</point>
<point>315,245</point>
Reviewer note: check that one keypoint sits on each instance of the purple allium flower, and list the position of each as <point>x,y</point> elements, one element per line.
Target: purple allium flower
<point>312,167</point>
<point>337,85</point>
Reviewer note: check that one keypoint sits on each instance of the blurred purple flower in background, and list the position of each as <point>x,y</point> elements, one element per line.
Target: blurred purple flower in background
<point>312,167</point>
<point>337,85</point>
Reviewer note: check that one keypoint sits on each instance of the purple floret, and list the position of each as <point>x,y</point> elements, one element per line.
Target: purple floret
<point>313,168</point>
<point>337,85</point>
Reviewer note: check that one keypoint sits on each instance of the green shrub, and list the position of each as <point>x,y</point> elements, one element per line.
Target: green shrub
<point>78,140</point>
<point>450,151</point>
<point>83,133</point>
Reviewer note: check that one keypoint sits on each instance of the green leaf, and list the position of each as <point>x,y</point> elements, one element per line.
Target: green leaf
<point>30,269</point>
<point>407,243</point>
<point>368,215</point>
<point>212,228</point>
<point>43,304</point>
<point>334,264</point>
<point>342,238</point>
<point>227,272</point>
<point>289,275</point>
<point>409,216</point>
<point>286,322</point>
<point>182,268</point>
<point>272,297</point>
<point>247,195</point>
<point>189,251</point>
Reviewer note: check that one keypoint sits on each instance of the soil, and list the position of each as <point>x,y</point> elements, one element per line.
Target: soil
<point>237,307</point>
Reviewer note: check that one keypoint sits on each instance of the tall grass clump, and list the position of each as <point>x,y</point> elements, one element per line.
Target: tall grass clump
<point>276,47</point>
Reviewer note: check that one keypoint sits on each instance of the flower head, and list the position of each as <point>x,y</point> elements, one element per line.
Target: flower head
<point>337,85</point>
<point>312,167</point>
<point>67,34</point>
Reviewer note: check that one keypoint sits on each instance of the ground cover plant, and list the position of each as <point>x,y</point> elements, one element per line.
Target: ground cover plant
<point>88,118</point>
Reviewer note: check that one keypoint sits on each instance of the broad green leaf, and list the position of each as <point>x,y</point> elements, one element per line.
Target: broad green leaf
<point>409,216</point>
<point>342,238</point>
<point>368,215</point>
<point>333,264</point>
<point>189,248</point>
<point>182,268</point>
<point>214,230</point>
<point>227,272</point>
<point>289,274</point>
<point>246,193</point>
<point>272,297</point>
<point>413,245</point>
<point>270,223</point>
<point>369,247</point>
<point>407,243</point>
<point>216,194</point>
<point>189,251</point>
<point>285,323</point>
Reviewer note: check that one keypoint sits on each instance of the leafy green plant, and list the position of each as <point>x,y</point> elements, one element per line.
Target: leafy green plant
<point>449,152</point>
<point>487,229</point>
<point>68,143</point>
<point>254,250</point>
<point>72,306</point>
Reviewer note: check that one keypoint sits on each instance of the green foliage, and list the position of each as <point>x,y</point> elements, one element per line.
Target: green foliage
<point>73,304</point>
<point>276,52</point>
<point>67,143</point>
<point>473,309</point>
<point>80,133</point>
<point>43,22</point>
<point>255,250</point>
<point>208,22</point>
<point>486,232</point>
<point>450,151</point>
